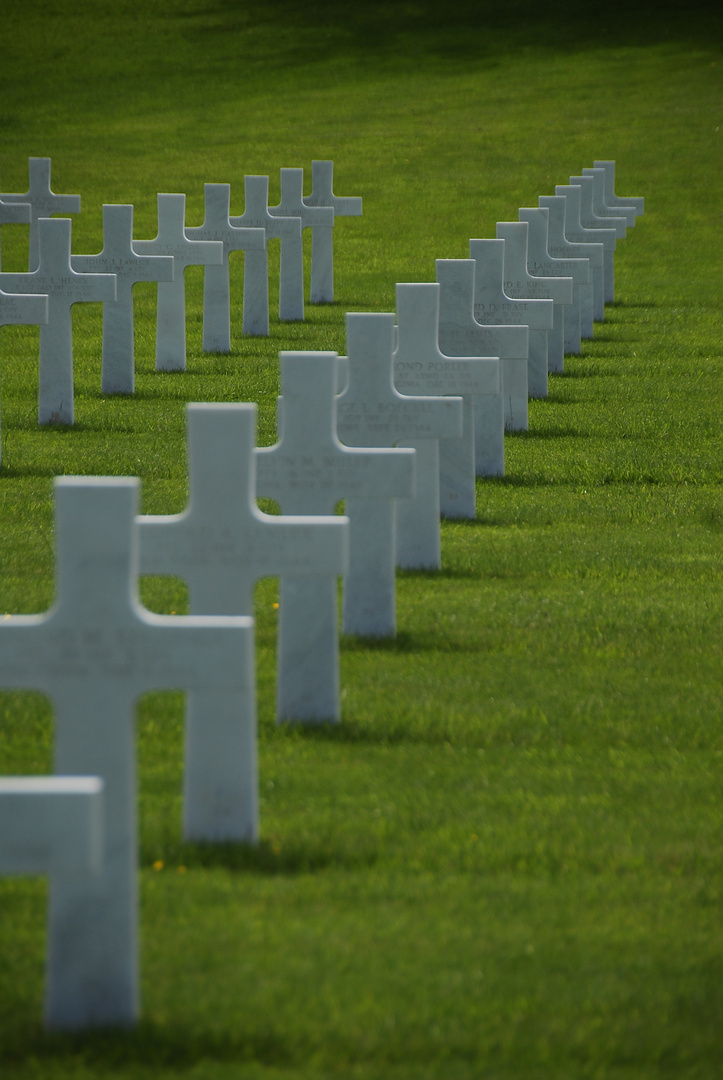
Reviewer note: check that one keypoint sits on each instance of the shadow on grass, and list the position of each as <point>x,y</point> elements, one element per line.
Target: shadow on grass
<point>269,857</point>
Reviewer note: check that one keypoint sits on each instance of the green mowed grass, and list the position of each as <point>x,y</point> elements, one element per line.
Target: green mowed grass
<point>506,861</point>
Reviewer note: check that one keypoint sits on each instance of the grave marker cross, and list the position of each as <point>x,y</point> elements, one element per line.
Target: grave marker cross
<point>605,226</point>
<point>171,314</point>
<point>94,654</point>
<point>562,247</point>
<point>216,283</point>
<point>310,471</point>
<point>256,215</point>
<point>601,209</point>
<point>119,258</point>
<point>565,335</point>
<point>322,249</point>
<point>54,825</point>
<point>493,306</point>
<point>461,335</point>
<point>64,287</point>
<point>221,545</point>
<point>578,234</point>
<point>420,368</point>
<point>320,219</point>
<point>613,200</point>
<point>43,203</point>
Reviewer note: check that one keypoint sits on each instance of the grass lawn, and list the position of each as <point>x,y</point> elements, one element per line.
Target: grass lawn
<point>505,863</point>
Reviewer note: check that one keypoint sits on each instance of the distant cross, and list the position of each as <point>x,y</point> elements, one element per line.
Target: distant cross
<point>609,228</point>
<point>221,545</point>
<point>14,213</point>
<point>575,232</point>
<point>598,200</point>
<point>54,825</point>
<point>611,199</point>
<point>520,284</point>
<point>320,219</point>
<point>461,335</point>
<point>94,654</point>
<point>494,306</point>
<point>216,283</point>
<point>24,310</point>
<point>561,247</point>
<point>309,471</point>
<point>119,258</point>
<point>420,368</point>
<point>172,240</point>
<point>43,203</point>
<point>371,412</point>
<point>64,287</point>
<point>256,268</point>
<point>565,334</point>
<point>322,250</point>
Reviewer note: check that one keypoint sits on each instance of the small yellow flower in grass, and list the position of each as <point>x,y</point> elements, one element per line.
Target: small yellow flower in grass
<point>276,848</point>
<point>158,864</point>
<point>275,606</point>
<point>181,869</point>
<point>474,836</point>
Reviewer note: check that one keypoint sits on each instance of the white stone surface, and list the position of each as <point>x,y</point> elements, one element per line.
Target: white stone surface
<point>118,257</point>
<point>171,240</point>
<point>578,234</point>
<point>421,368</point>
<point>256,267</point>
<point>43,202</point>
<point>322,252</point>
<point>14,214</point>
<point>599,205</point>
<point>320,219</point>
<point>94,653</point>
<point>562,247</point>
<point>221,545</point>
<point>24,310</point>
<point>53,825</point>
<point>371,412</point>
<point>565,335</point>
<point>611,199</point>
<point>216,283</point>
<point>461,335</point>
<point>590,220</point>
<point>310,470</point>
<point>55,278</point>
<point>493,306</point>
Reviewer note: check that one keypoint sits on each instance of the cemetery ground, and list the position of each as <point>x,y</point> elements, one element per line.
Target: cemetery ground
<point>506,860</point>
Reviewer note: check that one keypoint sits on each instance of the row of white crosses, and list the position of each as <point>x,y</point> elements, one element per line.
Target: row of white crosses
<point>109,276</point>
<point>397,400</point>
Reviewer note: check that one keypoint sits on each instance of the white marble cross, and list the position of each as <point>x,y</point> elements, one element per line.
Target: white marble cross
<point>611,199</point>
<point>461,335</point>
<point>221,545</point>
<point>420,368</point>
<point>578,234</point>
<point>119,258</point>
<point>565,335</point>
<point>216,283</point>
<point>599,205</point>
<point>43,203</point>
<point>22,310</point>
<point>560,245</point>
<point>605,226</point>
<point>53,825</point>
<point>172,240</point>
<point>320,219</point>
<point>256,266</point>
<point>493,306</point>
<point>14,214</point>
<point>518,280</point>
<point>371,412</point>
<point>55,277</point>
<point>322,252</point>
<point>94,654</point>
<point>309,471</point>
